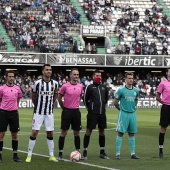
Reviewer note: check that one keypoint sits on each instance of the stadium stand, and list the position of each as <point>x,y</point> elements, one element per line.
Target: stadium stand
<point>132,27</point>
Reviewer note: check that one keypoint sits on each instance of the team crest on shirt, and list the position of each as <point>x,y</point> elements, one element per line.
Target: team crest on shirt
<point>103,88</point>
<point>116,95</point>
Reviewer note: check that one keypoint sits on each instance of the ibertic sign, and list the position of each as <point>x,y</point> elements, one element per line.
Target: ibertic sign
<point>135,61</point>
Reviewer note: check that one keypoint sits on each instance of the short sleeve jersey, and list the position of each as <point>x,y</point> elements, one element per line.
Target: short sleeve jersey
<point>164,89</point>
<point>71,95</point>
<point>127,98</point>
<point>9,97</point>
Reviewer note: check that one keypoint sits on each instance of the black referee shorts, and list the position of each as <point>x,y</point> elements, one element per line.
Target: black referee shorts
<point>71,117</point>
<point>10,118</point>
<point>165,116</point>
<point>93,119</point>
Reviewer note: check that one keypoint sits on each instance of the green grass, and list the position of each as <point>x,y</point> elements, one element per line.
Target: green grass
<point>146,145</point>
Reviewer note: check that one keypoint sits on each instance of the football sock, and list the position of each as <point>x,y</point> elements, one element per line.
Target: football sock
<point>132,144</point>
<point>14,147</point>
<point>118,144</point>
<point>86,141</point>
<point>1,146</point>
<point>77,142</point>
<point>161,141</point>
<point>102,143</point>
<point>31,145</point>
<point>50,144</point>
<point>61,144</point>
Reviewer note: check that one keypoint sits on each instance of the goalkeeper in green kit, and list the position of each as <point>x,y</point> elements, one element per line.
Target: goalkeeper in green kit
<point>125,101</point>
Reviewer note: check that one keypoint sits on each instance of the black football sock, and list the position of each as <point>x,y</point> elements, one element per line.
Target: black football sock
<point>77,142</point>
<point>86,141</point>
<point>102,143</point>
<point>61,144</point>
<point>161,141</point>
<point>15,147</point>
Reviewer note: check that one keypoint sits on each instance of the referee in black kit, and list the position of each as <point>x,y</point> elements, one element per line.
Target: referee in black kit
<point>95,100</point>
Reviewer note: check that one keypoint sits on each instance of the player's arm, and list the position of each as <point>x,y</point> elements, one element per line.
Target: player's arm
<point>116,104</point>
<point>19,95</point>
<point>106,95</point>
<point>60,100</point>
<point>86,96</point>
<point>34,97</point>
<point>55,95</point>
<point>55,92</point>
<point>117,99</point>
<point>158,97</point>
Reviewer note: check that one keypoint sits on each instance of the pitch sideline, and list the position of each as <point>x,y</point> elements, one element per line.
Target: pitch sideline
<point>66,160</point>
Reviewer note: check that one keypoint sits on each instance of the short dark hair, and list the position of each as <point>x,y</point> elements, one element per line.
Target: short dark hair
<point>167,69</point>
<point>10,71</point>
<point>96,71</point>
<point>129,74</point>
<point>45,66</point>
<point>73,70</point>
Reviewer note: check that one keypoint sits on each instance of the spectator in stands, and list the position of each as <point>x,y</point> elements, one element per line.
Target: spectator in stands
<point>94,49</point>
<point>164,50</point>
<point>155,52</point>
<point>119,49</point>
<point>88,48</point>
<point>136,15</point>
<point>147,12</point>
<point>137,50</point>
<point>2,43</point>
<point>163,30</point>
<point>121,37</point>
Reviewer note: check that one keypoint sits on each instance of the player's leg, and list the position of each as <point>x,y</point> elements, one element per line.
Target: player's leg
<point>86,141</point>
<point>76,127</point>
<point>164,121</point>
<point>65,125</point>
<point>14,128</point>
<point>36,125</point>
<point>3,129</point>
<point>91,124</point>
<point>132,129</point>
<point>122,125</point>
<point>49,127</point>
<point>102,126</point>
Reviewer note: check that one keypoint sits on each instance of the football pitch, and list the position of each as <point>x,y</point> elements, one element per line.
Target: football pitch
<point>146,145</point>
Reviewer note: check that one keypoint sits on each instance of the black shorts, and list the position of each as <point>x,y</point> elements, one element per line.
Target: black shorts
<point>10,118</point>
<point>71,116</point>
<point>165,116</point>
<point>94,119</point>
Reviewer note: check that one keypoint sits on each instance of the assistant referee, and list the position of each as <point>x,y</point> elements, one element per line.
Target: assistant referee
<point>10,95</point>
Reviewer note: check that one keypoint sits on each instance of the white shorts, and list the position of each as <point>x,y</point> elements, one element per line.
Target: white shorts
<point>38,120</point>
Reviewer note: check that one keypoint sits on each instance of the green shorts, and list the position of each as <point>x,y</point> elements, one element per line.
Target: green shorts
<point>126,122</point>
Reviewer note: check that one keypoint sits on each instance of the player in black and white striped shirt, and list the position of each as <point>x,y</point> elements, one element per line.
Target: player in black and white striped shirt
<point>44,94</point>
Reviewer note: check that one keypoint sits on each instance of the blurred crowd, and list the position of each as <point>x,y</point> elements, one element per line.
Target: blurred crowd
<point>146,83</point>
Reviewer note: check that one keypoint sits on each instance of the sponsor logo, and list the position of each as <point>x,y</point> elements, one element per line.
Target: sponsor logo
<point>24,58</point>
<point>167,61</point>
<point>73,59</point>
<point>145,61</point>
<point>117,60</point>
<point>47,93</point>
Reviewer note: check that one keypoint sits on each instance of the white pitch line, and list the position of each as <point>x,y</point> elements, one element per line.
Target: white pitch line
<point>26,133</point>
<point>66,160</point>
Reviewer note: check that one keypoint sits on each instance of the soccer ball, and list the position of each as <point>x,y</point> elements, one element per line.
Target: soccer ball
<point>75,156</point>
